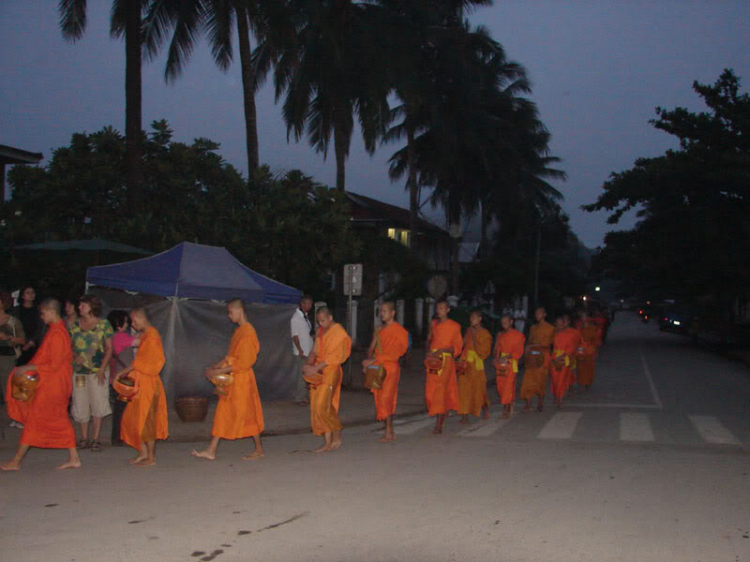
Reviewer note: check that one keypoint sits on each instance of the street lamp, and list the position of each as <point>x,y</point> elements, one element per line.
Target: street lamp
<point>598,288</point>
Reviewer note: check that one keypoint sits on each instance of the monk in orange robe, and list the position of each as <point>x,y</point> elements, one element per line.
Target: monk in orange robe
<point>574,360</point>
<point>441,387</point>
<point>535,376</point>
<point>588,349</point>
<point>145,417</point>
<point>239,413</point>
<point>332,348</point>
<point>472,384</point>
<point>563,353</point>
<point>45,417</point>
<point>508,350</point>
<point>389,343</point>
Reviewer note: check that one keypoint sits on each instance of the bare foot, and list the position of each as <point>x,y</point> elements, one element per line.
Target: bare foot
<point>540,408</point>
<point>323,449</point>
<point>437,431</point>
<point>145,462</point>
<point>69,464</point>
<point>136,460</point>
<point>505,416</point>
<point>526,408</point>
<point>464,420</point>
<point>387,439</point>
<point>204,454</point>
<point>486,414</point>
<point>335,445</point>
<point>254,455</point>
<point>10,465</point>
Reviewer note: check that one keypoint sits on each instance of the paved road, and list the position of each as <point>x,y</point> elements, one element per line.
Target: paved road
<point>652,464</point>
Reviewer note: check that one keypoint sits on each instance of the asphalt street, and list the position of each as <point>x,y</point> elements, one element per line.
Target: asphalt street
<point>653,463</point>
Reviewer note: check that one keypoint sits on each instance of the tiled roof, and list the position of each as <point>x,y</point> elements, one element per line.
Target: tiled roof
<point>367,209</point>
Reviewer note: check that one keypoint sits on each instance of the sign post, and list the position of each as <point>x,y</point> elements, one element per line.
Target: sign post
<point>352,287</point>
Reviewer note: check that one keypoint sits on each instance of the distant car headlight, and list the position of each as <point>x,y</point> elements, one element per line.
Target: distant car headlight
<point>676,322</point>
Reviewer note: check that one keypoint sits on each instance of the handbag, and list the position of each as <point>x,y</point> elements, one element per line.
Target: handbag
<point>374,375</point>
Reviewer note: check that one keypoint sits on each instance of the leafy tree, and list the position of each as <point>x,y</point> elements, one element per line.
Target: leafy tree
<point>287,227</point>
<point>126,21</point>
<point>692,238</point>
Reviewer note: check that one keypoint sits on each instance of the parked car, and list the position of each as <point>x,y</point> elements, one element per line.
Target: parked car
<point>675,319</point>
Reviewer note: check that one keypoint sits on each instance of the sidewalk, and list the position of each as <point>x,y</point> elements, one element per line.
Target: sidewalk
<point>284,417</point>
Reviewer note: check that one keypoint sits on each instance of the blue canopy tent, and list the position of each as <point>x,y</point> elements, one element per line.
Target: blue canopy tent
<point>193,271</point>
<point>181,287</point>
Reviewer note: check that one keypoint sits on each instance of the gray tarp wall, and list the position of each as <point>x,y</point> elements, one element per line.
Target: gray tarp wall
<point>196,334</point>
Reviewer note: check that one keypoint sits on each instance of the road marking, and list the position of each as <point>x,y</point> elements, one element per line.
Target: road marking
<point>561,426</point>
<point>636,427</point>
<point>651,384</point>
<point>484,430</point>
<point>408,429</point>
<point>712,430</point>
<point>614,405</point>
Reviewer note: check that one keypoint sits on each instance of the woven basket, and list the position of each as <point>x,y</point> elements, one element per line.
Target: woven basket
<point>192,408</point>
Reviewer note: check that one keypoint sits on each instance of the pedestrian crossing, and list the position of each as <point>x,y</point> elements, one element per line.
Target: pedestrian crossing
<point>592,426</point>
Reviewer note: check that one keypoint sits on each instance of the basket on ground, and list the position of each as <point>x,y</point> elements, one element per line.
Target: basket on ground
<point>192,408</point>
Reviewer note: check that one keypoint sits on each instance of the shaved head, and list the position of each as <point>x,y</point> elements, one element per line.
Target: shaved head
<point>389,304</point>
<point>325,311</point>
<point>140,312</point>
<point>237,303</point>
<point>51,304</point>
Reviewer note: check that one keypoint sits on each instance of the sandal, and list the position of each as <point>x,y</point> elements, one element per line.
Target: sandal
<point>83,444</point>
<point>96,446</point>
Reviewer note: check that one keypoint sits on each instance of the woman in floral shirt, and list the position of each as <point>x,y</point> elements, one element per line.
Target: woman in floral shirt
<point>91,337</point>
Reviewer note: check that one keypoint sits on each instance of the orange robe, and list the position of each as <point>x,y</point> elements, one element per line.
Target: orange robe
<point>145,416</point>
<point>332,347</point>
<point>472,385</point>
<point>509,345</point>
<point>535,378</point>
<point>565,344</point>
<point>574,361</point>
<point>441,388</point>
<point>239,413</point>
<point>394,341</point>
<point>45,418</point>
<point>591,339</point>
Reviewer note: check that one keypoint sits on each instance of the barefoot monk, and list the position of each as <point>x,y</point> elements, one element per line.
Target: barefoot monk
<point>508,350</point>
<point>45,417</point>
<point>145,417</point>
<point>323,372</point>
<point>441,388</point>
<point>536,362</point>
<point>472,384</point>
<point>563,355</point>
<point>239,413</point>
<point>389,343</point>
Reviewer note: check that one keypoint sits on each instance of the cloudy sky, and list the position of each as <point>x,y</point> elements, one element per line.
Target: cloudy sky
<point>599,68</point>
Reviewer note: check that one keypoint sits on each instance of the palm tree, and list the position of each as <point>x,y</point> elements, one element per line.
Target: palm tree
<point>189,19</point>
<point>126,20</point>
<point>329,71</point>
<point>413,27</point>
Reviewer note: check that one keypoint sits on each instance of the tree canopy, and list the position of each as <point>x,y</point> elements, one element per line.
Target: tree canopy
<point>692,240</point>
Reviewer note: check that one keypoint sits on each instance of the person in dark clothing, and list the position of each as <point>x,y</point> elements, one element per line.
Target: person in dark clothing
<point>123,353</point>
<point>33,327</point>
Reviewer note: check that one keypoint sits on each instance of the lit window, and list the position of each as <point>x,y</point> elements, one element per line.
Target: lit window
<point>405,238</point>
<point>392,233</point>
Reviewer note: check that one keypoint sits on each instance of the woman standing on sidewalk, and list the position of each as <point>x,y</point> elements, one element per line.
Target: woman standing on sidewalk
<point>12,337</point>
<point>91,338</point>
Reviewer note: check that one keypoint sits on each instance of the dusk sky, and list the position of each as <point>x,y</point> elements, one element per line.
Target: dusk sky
<point>598,70</point>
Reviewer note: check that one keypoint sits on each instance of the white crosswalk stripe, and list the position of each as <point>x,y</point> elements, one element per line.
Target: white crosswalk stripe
<point>414,426</point>
<point>561,426</point>
<point>484,430</point>
<point>712,430</point>
<point>636,427</point>
<point>627,427</point>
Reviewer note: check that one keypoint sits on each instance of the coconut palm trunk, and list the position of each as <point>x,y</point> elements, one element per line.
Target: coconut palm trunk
<point>133,105</point>
<point>248,91</point>
<point>411,184</point>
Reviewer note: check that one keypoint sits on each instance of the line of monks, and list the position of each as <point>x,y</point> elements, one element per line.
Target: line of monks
<point>455,378</point>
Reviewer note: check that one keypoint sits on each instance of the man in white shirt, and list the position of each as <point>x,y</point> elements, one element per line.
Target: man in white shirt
<point>302,344</point>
